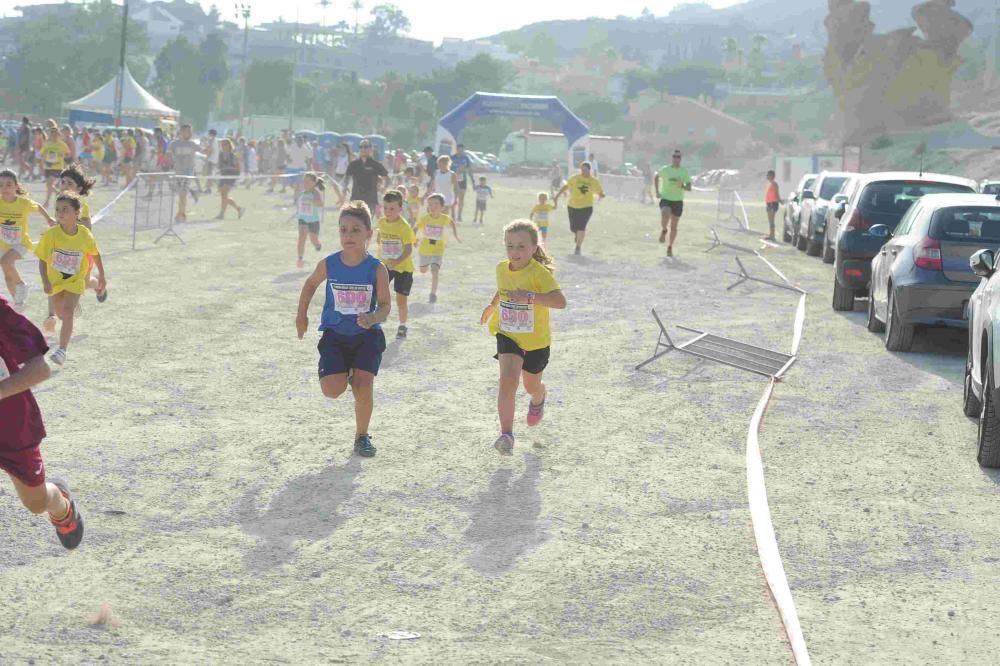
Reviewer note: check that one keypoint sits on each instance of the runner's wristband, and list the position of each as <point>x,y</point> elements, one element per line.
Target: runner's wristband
<point>531,297</point>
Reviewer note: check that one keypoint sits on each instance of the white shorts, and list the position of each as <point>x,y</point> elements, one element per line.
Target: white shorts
<point>431,260</point>
<point>21,250</point>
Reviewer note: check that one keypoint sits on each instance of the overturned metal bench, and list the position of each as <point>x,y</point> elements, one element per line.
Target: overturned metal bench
<point>726,351</point>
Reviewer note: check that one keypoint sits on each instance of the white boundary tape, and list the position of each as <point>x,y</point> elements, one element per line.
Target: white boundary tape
<point>760,512</point>
<point>746,220</point>
<point>101,214</point>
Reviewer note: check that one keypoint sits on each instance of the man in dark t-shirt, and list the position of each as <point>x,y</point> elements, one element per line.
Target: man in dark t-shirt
<point>365,173</point>
<point>432,165</point>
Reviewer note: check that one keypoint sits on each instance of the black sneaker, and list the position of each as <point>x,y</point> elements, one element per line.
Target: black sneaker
<point>434,298</point>
<point>401,331</point>
<point>363,446</point>
<point>70,529</point>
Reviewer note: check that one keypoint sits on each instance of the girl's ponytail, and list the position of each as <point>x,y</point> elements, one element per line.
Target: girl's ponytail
<point>544,258</point>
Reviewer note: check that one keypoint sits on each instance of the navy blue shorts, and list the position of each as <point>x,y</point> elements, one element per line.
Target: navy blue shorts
<point>340,353</point>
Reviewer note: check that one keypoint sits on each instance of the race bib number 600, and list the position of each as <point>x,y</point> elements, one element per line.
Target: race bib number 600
<point>66,262</point>
<point>10,234</point>
<point>517,317</point>
<point>351,299</point>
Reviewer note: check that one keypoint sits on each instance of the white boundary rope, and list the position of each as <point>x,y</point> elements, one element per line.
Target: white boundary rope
<point>743,209</point>
<point>760,511</point>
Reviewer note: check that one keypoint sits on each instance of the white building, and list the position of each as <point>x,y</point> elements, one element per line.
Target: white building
<point>453,50</point>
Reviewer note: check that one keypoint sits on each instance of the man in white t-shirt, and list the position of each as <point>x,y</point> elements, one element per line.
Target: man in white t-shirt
<point>210,148</point>
<point>300,156</point>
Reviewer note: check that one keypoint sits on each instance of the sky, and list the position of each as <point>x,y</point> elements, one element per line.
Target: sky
<point>435,19</point>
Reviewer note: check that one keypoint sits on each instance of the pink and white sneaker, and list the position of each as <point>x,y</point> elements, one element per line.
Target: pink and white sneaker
<point>535,413</point>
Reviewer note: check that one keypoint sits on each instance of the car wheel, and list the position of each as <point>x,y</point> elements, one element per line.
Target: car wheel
<point>785,236</point>
<point>843,298</point>
<point>989,428</point>
<point>971,406</point>
<point>874,325</point>
<point>800,243</point>
<point>828,254</point>
<point>812,246</point>
<point>898,335</point>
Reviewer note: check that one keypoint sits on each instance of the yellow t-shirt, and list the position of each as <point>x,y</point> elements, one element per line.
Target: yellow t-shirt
<point>582,190</point>
<point>54,155</point>
<point>433,229</point>
<point>97,148</point>
<point>393,237</point>
<point>84,209</point>
<point>66,257</point>
<point>540,214</point>
<point>525,324</point>
<point>414,205</point>
<point>14,223</point>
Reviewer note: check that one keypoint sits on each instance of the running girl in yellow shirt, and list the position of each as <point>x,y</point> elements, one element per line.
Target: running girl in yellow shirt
<point>413,201</point>
<point>431,226</point>
<point>540,214</point>
<point>73,180</point>
<point>395,240</point>
<point>15,240</point>
<point>62,262</point>
<point>526,291</point>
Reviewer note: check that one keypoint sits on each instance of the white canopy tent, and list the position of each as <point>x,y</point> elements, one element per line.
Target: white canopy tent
<point>138,106</point>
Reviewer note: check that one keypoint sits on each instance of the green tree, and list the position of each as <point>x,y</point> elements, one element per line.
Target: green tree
<point>47,68</point>
<point>595,43</point>
<point>357,6</point>
<point>543,47</point>
<point>387,21</point>
<point>267,86</point>
<point>423,107</point>
<point>191,77</point>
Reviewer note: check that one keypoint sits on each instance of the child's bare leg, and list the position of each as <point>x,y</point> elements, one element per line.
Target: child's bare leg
<point>510,371</point>
<point>333,386</point>
<point>402,307</point>
<point>435,275</point>
<point>363,386</point>
<point>535,387</point>
<point>302,241</point>
<point>66,312</point>
<point>10,274</point>
<point>45,498</point>
<point>314,239</point>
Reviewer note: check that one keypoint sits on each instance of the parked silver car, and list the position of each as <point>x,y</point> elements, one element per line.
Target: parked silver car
<point>979,394</point>
<point>815,204</point>
<point>794,206</point>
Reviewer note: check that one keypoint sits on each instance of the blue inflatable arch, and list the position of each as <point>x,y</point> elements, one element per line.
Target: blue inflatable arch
<point>551,108</point>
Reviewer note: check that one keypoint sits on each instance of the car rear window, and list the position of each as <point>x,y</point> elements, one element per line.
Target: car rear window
<point>991,188</point>
<point>979,223</point>
<point>831,186</point>
<point>890,199</point>
<point>809,183</point>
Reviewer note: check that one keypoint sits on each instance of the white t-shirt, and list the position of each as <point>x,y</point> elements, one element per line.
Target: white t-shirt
<point>251,159</point>
<point>342,161</point>
<point>213,151</point>
<point>443,185</point>
<point>300,157</point>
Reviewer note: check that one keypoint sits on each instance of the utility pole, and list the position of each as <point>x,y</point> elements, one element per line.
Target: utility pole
<point>120,81</point>
<point>243,10</point>
<point>295,62</point>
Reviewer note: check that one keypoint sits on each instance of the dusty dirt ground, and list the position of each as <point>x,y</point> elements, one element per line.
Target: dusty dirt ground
<point>227,521</point>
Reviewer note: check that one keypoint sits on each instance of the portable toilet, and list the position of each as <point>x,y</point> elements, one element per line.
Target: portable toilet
<point>379,145</point>
<point>327,142</point>
<point>353,140</point>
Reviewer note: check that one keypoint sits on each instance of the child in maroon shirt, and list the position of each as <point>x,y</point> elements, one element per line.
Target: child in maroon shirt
<point>22,365</point>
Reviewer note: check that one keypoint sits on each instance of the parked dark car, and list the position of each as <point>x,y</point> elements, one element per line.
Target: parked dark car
<point>921,276</point>
<point>814,208</point>
<point>880,199</point>
<point>979,394</point>
<point>829,242</point>
<point>794,206</point>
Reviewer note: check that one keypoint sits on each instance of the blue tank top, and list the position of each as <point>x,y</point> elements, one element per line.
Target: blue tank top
<point>350,291</point>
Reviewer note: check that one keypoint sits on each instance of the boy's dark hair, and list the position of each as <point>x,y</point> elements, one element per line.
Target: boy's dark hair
<point>185,125</point>
<point>74,173</point>
<point>770,172</point>
<point>392,196</point>
<point>358,209</point>
<point>71,199</point>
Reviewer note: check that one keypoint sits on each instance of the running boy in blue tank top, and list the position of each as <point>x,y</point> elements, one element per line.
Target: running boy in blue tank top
<point>357,302</point>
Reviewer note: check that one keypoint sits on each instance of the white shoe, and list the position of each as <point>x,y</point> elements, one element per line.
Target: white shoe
<point>20,294</point>
<point>58,356</point>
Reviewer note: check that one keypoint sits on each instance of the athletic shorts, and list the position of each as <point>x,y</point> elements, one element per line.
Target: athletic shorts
<point>52,173</point>
<point>480,206</point>
<point>25,465</point>
<point>772,207</point>
<point>311,227</point>
<point>676,207</point>
<point>534,361</point>
<point>21,250</point>
<point>556,183</point>
<point>295,176</point>
<point>463,185</point>
<point>402,282</point>
<point>340,353</point>
<point>431,260</point>
<point>579,217</point>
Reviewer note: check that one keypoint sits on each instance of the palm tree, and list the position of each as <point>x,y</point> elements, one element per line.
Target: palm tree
<point>325,4</point>
<point>356,6</point>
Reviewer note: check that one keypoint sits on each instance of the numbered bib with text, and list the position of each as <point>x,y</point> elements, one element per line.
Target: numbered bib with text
<point>305,208</point>
<point>517,317</point>
<point>67,262</point>
<point>10,234</point>
<point>392,248</point>
<point>434,232</point>
<point>352,299</point>
<point>542,216</point>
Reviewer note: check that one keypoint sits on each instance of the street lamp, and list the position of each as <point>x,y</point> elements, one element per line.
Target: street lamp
<point>243,10</point>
